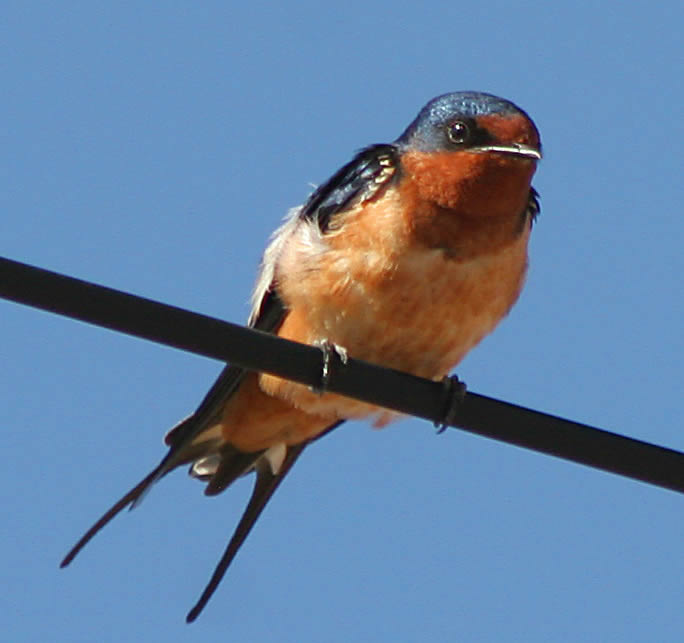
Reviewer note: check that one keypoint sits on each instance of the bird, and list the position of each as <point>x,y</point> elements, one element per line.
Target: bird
<point>406,257</point>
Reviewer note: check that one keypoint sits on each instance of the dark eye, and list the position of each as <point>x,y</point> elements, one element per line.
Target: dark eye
<point>458,132</point>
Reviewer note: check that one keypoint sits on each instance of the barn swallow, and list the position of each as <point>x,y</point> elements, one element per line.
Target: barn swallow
<point>406,257</point>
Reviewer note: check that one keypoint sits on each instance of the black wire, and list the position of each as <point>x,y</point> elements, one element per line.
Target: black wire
<point>391,389</point>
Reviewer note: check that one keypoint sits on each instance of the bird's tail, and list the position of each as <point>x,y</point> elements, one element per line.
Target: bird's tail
<point>218,466</point>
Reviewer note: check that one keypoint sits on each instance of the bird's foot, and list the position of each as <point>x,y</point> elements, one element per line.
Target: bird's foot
<point>332,356</point>
<point>454,394</point>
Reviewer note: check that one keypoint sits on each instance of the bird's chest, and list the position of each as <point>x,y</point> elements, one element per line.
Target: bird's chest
<point>417,310</point>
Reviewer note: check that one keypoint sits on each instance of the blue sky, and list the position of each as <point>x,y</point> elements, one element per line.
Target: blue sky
<point>153,147</point>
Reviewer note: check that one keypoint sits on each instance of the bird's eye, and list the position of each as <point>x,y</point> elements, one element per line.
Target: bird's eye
<point>458,132</point>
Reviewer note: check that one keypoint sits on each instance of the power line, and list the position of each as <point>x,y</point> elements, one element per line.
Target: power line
<point>255,350</point>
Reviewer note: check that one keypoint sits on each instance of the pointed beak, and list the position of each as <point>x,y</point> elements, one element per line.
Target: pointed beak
<point>516,149</point>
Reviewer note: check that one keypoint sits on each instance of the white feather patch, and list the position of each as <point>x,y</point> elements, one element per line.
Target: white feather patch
<point>308,240</point>
<point>275,456</point>
<point>206,467</point>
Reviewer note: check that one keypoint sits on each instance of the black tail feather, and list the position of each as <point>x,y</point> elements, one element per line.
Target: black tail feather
<point>176,457</point>
<point>264,487</point>
<point>130,498</point>
<point>233,464</point>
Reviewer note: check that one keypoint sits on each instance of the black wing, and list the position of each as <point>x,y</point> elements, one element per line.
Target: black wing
<point>357,181</point>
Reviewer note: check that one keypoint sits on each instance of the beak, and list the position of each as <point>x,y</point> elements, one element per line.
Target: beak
<point>516,149</point>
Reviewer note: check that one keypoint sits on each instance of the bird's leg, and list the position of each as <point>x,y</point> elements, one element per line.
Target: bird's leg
<point>333,355</point>
<point>454,394</point>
